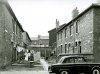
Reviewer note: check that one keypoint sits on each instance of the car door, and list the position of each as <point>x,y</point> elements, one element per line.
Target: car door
<point>80,65</point>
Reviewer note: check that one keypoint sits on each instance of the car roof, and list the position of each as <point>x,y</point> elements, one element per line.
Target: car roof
<point>71,56</point>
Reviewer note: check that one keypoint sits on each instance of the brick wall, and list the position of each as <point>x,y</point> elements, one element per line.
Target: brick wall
<point>84,35</point>
<point>52,37</point>
<point>6,33</point>
<point>96,31</point>
<point>1,31</point>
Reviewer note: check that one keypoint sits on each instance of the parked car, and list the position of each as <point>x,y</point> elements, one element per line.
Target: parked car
<point>74,65</point>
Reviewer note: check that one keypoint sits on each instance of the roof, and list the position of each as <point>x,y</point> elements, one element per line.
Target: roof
<point>12,13</point>
<point>34,38</point>
<point>52,29</point>
<point>28,36</point>
<point>44,37</point>
<point>64,25</point>
<point>72,56</point>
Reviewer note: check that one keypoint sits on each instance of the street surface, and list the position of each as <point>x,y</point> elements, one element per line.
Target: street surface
<point>38,68</point>
<point>24,72</point>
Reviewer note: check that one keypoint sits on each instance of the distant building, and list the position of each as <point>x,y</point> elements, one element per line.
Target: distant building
<point>53,40</point>
<point>26,40</point>
<point>41,43</point>
<point>40,40</point>
<point>82,34</point>
<point>52,37</point>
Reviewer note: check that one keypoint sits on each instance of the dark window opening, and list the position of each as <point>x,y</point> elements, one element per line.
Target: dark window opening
<point>61,48</point>
<point>75,43</point>
<point>77,27</point>
<point>65,32</point>
<point>65,48</point>
<point>79,47</point>
<point>71,30</point>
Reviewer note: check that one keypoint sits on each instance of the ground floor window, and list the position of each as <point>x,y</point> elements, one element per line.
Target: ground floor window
<point>61,48</point>
<point>65,48</point>
<point>79,47</point>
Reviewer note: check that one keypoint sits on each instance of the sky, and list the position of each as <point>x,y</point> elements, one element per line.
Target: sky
<point>37,17</point>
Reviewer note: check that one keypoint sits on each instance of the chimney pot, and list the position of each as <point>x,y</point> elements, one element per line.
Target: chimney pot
<point>75,13</point>
<point>57,23</point>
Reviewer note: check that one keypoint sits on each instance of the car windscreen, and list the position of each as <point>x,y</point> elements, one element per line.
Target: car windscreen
<point>60,60</point>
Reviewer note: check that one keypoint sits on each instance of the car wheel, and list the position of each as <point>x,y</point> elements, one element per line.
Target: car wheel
<point>64,72</point>
<point>96,71</point>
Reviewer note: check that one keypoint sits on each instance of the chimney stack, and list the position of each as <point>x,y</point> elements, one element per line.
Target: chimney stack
<point>57,23</point>
<point>75,13</point>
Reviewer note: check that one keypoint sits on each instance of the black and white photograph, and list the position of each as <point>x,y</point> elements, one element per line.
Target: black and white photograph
<point>49,36</point>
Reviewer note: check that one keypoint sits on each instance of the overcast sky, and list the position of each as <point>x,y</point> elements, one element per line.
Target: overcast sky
<point>37,17</point>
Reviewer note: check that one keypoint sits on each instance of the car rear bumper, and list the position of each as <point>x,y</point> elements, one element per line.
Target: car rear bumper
<point>51,73</point>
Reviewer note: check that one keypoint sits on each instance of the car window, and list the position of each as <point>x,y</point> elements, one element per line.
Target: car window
<point>71,60</point>
<point>79,60</point>
<point>68,60</point>
<point>60,60</point>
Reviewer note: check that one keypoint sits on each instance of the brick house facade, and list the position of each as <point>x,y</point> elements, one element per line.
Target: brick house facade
<point>82,34</point>
<point>53,40</point>
<point>10,34</point>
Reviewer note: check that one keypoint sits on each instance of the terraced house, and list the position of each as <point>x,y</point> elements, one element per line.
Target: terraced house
<point>10,34</point>
<point>82,34</point>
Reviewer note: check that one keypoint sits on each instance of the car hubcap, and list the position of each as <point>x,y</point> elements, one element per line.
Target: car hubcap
<point>64,72</point>
<point>96,71</point>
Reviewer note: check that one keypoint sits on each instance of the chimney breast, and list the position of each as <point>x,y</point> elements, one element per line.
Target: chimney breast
<point>75,13</point>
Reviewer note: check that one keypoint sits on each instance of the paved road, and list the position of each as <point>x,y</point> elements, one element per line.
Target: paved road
<point>23,69</point>
<point>24,72</point>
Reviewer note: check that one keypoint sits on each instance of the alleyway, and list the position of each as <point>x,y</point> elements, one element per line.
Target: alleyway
<point>37,68</point>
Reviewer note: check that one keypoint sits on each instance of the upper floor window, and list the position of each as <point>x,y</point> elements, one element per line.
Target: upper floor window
<point>66,32</point>
<point>15,28</point>
<point>77,27</point>
<point>61,34</point>
<point>13,23</point>
<point>71,29</point>
<point>58,36</point>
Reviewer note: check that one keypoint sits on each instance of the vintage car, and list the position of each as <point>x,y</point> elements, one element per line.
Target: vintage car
<point>74,65</point>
